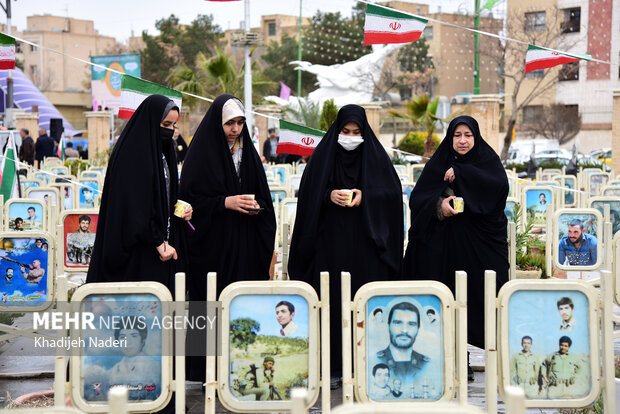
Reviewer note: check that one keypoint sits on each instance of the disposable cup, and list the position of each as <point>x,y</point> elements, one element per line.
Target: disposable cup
<point>180,208</point>
<point>350,195</point>
<point>459,204</point>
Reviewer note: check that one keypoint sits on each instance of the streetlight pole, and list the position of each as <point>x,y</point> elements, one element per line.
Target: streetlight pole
<point>9,79</point>
<point>248,74</point>
<point>299,52</point>
<point>477,48</point>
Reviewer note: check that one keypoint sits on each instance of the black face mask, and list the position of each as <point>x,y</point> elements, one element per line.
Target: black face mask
<point>165,134</point>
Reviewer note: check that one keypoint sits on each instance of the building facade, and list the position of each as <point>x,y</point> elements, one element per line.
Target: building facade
<point>586,27</point>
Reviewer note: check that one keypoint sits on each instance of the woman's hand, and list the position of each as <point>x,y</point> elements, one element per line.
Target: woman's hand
<point>446,208</point>
<point>449,175</point>
<point>187,216</point>
<point>357,198</point>
<point>166,252</point>
<point>241,203</point>
<point>340,198</point>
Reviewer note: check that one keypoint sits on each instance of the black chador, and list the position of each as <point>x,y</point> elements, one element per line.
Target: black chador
<point>137,203</point>
<point>237,246</point>
<point>366,240</point>
<point>473,241</point>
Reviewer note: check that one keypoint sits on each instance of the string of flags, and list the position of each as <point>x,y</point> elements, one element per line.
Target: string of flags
<point>385,25</point>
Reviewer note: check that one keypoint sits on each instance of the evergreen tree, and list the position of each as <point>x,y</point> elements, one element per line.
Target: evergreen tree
<point>328,115</point>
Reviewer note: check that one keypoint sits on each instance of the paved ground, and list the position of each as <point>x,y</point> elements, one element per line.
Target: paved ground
<point>40,368</point>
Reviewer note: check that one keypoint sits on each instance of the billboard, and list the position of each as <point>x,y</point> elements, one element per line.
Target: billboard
<point>106,85</point>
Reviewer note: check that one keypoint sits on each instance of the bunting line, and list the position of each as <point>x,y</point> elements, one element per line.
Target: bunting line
<point>477,31</point>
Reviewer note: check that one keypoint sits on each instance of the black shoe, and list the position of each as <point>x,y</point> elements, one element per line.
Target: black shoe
<point>470,374</point>
<point>335,383</point>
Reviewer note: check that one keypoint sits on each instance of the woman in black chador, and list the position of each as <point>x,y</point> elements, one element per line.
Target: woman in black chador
<point>441,240</point>
<point>363,237</point>
<point>137,233</point>
<point>235,234</point>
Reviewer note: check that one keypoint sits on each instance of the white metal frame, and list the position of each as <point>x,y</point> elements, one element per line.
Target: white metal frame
<point>405,289</point>
<point>503,299</point>
<point>273,288</point>
<point>556,242</point>
<point>30,201</point>
<point>50,271</point>
<point>126,288</point>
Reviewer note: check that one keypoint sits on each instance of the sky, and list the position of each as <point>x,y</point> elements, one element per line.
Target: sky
<point>119,18</point>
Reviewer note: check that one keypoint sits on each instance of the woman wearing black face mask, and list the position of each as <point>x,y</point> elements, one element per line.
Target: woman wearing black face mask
<point>138,236</point>
<point>363,236</point>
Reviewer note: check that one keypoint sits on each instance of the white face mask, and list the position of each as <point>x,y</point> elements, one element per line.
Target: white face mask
<point>350,142</point>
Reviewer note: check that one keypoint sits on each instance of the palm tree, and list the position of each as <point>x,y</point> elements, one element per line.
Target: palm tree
<point>216,75</point>
<point>422,112</point>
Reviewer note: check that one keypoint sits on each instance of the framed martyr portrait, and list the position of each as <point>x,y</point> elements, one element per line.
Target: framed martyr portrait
<point>548,341</point>
<point>270,344</point>
<point>567,184</point>
<point>509,210</point>
<point>25,281</point>
<point>79,231</point>
<point>599,203</point>
<point>67,195</point>
<point>596,181</point>
<point>25,214</point>
<point>49,195</point>
<point>537,199</point>
<point>87,192</point>
<point>403,342</point>
<point>577,239</point>
<point>129,343</point>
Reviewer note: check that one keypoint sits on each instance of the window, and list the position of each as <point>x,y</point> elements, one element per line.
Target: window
<point>33,49</point>
<point>33,71</point>
<point>18,47</point>
<point>535,74</point>
<point>535,21</point>
<point>569,71</point>
<point>572,111</point>
<point>272,29</point>
<point>572,20</point>
<point>530,113</point>
<point>428,32</point>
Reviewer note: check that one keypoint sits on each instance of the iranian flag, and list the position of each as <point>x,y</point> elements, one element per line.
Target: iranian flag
<point>134,91</point>
<point>9,184</point>
<point>384,25</point>
<point>61,148</point>
<point>297,139</point>
<point>7,52</point>
<point>541,58</point>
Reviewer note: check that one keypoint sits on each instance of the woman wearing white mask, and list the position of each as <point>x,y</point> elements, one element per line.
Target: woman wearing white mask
<point>349,215</point>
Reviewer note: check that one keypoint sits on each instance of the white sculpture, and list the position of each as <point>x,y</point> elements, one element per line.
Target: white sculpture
<point>345,83</point>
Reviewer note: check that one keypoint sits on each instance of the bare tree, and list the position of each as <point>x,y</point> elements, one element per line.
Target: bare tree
<point>557,122</point>
<point>533,27</point>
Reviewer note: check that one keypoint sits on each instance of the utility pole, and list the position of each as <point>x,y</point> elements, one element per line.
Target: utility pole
<point>299,52</point>
<point>9,79</point>
<point>477,49</point>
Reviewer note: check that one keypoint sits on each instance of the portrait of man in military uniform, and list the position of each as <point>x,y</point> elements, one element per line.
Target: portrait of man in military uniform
<point>525,370</point>
<point>404,323</point>
<point>406,346</point>
<point>561,371</point>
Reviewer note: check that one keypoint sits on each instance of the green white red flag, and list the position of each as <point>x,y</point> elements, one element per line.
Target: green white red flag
<point>384,25</point>
<point>134,91</point>
<point>9,184</point>
<point>7,52</point>
<point>61,148</point>
<point>297,139</point>
<point>542,58</point>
